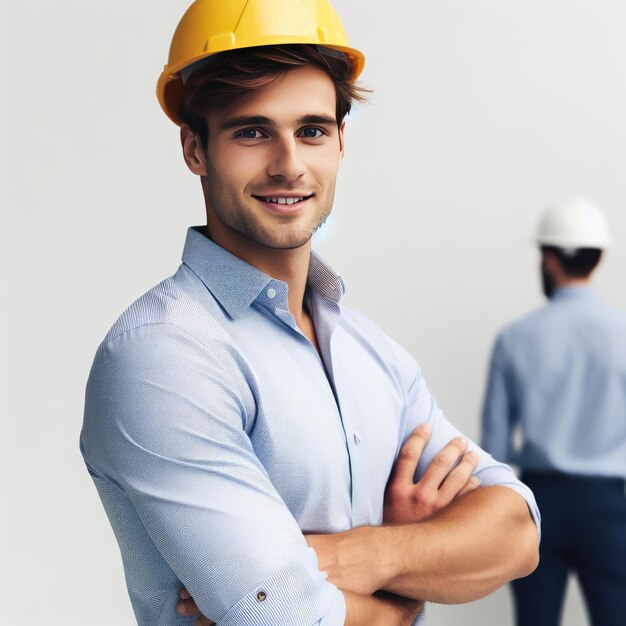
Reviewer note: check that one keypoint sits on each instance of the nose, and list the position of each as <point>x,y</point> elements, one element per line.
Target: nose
<point>285,162</point>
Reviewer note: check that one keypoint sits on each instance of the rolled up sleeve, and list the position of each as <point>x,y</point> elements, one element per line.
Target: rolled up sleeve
<point>293,595</point>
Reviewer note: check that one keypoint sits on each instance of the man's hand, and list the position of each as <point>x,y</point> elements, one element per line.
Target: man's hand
<point>407,609</point>
<point>408,502</point>
<point>187,606</point>
<point>381,609</point>
<point>449,475</point>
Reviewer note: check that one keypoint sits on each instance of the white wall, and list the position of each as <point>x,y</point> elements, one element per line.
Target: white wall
<point>483,111</point>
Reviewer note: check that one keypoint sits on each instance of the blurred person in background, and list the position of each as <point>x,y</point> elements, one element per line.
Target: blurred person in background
<point>557,382</point>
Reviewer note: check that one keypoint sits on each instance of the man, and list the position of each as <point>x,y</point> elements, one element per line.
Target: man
<point>559,376</point>
<point>238,405</point>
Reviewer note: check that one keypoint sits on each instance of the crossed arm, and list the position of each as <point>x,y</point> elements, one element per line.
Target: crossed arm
<point>442,540</point>
<point>453,555</point>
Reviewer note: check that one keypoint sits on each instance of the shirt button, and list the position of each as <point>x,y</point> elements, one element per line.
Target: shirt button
<point>261,596</point>
<point>271,293</point>
<point>357,438</point>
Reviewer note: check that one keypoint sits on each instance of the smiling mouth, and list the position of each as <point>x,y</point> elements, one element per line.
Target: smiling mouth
<point>284,200</point>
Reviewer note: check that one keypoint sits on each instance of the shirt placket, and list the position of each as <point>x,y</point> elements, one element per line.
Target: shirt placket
<point>326,316</point>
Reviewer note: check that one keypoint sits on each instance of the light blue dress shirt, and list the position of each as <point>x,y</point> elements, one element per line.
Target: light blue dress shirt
<point>216,435</point>
<point>560,375</point>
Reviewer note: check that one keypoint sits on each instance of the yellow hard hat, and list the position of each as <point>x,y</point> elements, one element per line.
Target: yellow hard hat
<point>211,26</point>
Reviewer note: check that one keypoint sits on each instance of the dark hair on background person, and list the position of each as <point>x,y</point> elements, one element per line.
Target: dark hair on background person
<point>577,263</point>
<point>232,75</point>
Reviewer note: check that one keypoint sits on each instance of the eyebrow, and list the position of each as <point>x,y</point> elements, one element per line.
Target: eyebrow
<point>316,119</point>
<point>261,120</point>
<point>247,120</point>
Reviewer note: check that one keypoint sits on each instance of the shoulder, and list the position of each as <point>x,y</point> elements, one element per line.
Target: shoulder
<point>174,326</point>
<point>180,300</point>
<point>528,323</point>
<point>612,313</point>
<point>166,362</point>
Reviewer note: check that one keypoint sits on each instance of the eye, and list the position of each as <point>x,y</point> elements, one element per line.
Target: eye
<point>312,132</point>
<point>249,133</point>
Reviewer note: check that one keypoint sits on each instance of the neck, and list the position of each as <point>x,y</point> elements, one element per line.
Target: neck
<point>566,281</point>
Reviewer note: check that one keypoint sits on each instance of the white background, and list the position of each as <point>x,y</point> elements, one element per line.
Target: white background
<point>483,112</point>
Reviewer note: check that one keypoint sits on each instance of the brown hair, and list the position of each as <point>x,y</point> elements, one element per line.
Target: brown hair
<point>228,76</point>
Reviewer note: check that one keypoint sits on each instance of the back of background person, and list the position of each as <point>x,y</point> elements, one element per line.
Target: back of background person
<point>558,380</point>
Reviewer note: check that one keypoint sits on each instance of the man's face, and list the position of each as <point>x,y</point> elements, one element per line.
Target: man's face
<point>272,162</point>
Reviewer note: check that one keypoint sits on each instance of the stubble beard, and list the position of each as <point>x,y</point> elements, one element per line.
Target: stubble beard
<point>229,211</point>
<point>547,283</point>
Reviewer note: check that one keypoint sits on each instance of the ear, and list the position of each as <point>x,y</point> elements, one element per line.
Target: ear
<point>551,263</point>
<point>342,143</point>
<point>193,152</point>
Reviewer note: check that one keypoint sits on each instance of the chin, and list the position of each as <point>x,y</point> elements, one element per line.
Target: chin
<point>286,243</point>
<point>280,236</point>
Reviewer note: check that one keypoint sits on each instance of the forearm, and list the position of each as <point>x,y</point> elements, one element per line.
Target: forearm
<point>464,552</point>
<point>382,609</point>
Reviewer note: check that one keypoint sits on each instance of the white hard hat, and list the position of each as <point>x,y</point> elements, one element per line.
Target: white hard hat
<point>576,223</point>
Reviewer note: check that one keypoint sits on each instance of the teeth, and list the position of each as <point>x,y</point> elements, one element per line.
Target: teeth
<point>283,200</point>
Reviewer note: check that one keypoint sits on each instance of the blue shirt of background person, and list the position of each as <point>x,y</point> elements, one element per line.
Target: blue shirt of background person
<point>555,405</point>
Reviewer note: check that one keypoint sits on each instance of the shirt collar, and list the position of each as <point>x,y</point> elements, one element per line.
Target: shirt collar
<point>575,292</point>
<point>237,284</point>
<point>324,279</point>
